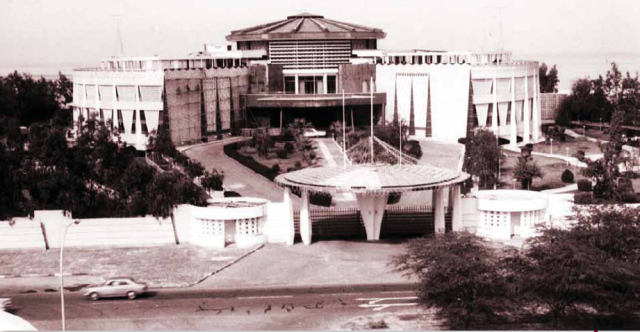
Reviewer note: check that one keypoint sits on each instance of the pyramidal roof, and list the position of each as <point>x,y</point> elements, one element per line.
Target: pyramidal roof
<point>306,26</point>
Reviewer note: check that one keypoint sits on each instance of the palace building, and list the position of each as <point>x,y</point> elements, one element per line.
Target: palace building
<point>301,66</point>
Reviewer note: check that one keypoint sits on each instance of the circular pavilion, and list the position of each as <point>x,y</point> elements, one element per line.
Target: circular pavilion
<point>372,185</point>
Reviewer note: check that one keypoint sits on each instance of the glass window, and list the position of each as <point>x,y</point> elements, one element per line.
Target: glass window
<point>331,84</point>
<point>289,84</point>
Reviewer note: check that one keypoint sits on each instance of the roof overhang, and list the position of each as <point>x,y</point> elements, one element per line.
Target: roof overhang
<point>313,100</point>
<point>307,36</point>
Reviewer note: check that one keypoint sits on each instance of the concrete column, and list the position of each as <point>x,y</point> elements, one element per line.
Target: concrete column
<point>536,109</point>
<point>290,229</point>
<point>514,126</point>
<point>438,204</point>
<point>324,84</point>
<point>456,222</point>
<point>527,110</point>
<point>372,210</point>
<point>97,97</point>
<point>305,220</point>
<point>297,84</point>
<point>494,117</point>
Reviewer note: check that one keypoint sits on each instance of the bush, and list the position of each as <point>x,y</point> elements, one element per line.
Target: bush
<point>567,176</point>
<point>275,168</point>
<point>213,180</point>
<point>580,155</point>
<point>288,147</point>
<point>312,155</point>
<point>320,198</point>
<point>585,185</point>
<point>583,198</point>
<point>298,164</point>
<point>414,149</point>
<point>394,198</point>
<point>282,154</point>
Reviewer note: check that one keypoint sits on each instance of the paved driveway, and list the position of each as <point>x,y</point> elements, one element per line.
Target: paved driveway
<point>236,176</point>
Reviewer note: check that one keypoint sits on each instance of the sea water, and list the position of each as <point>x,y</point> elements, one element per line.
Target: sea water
<point>570,66</point>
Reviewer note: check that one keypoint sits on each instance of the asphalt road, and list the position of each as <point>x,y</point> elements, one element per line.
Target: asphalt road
<point>209,310</point>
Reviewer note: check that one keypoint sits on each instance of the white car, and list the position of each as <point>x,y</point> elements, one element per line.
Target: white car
<point>312,132</point>
<point>5,304</point>
<point>117,287</point>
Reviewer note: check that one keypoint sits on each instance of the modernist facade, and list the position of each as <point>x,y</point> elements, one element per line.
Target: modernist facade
<point>301,67</point>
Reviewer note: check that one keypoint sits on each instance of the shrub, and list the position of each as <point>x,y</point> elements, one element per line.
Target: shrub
<point>288,147</point>
<point>320,198</point>
<point>394,198</point>
<point>584,185</point>
<point>275,168</point>
<point>298,164</point>
<point>414,149</point>
<point>231,151</point>
<point>213,180</point>
<point>583,198</point>
<point>567,176</point>
<point>312,155</point>
<point>282,154</point>
<point>231,194</point>
<point>580,155</point>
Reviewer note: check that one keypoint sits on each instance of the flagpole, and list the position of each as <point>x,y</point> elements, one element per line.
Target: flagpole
<point>400,125</point>
<point>344,136</point>
<point>371,90</point>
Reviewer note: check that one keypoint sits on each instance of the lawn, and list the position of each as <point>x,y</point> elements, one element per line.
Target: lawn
<point>551,168</point>
<point>572,144</point>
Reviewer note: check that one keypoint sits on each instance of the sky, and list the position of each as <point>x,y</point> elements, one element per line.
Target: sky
<point>82,32</point>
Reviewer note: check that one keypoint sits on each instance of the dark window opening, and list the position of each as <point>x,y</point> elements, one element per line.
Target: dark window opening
<point>331,84</point>
<point>143,122</point>
<point>120,122</point>
<point>289,84</point>
<point>133,123</point>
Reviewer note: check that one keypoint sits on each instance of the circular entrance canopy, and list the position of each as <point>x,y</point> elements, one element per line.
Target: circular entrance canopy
<point>376,179</point>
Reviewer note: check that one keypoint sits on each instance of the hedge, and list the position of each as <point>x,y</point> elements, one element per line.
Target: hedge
<point>231,151</point>
<point>584,185</point>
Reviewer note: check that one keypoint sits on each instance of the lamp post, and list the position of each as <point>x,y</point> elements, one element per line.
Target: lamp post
<point>584,131</point>
<point>551,146</point>
<point>64,234</point>
<point>600,124</point>
<point>514,184</point>
<point>567,156</point>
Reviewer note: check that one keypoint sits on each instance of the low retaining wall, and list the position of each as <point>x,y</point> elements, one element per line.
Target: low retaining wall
<point>21,233</point>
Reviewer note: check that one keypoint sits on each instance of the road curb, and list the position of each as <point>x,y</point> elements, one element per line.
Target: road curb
<point>258,290</point>
<point>7,276</point>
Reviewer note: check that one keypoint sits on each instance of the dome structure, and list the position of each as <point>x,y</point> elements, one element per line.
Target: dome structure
<point>306,26</point>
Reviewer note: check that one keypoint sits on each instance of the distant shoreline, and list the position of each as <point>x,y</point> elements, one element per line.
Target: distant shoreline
<point>570,66</point>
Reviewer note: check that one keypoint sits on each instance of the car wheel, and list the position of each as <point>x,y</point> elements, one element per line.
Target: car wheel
<point>131,295</point>
<point>94,296</point>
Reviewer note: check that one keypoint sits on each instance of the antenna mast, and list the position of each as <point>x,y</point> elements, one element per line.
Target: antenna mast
<point>119,43</point>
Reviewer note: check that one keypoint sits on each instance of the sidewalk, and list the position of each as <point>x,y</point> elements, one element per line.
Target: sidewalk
<point>323,266</point>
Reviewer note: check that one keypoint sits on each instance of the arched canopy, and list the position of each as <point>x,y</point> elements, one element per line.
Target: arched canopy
<point>371,179</point>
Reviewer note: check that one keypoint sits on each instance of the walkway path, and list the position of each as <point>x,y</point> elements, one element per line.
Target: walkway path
<point>333,157</point>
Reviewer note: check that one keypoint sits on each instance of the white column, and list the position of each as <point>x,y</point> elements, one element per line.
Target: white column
<point>494,116</point>
<point>438,204</point>
<point>97,98</point>
<point>288,215</point>
<point>527,110</point>
<point>456,222</point>
<point>297,87</point>
<point>536,109</point>
<point>324,83</point>
<point>305,220</point>
<point>514,125</point>
<point>372,210</point>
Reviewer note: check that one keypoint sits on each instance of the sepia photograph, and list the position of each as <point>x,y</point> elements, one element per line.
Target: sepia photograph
<point>332,165</point>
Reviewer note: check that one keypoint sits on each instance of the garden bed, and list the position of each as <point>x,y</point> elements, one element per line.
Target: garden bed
<point>551,168</point>
<point>571,143</point>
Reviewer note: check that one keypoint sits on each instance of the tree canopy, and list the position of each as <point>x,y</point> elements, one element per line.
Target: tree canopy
<point>548,78</point>
<point>482,156</point>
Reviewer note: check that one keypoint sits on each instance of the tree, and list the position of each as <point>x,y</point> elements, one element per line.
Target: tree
<point>262,141</point>
<point>459,275</point>
<point>605,171</point>
<point>525,172</point>
<point>482,157</point>
<point>169,189</point>
<point>548,79</point>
